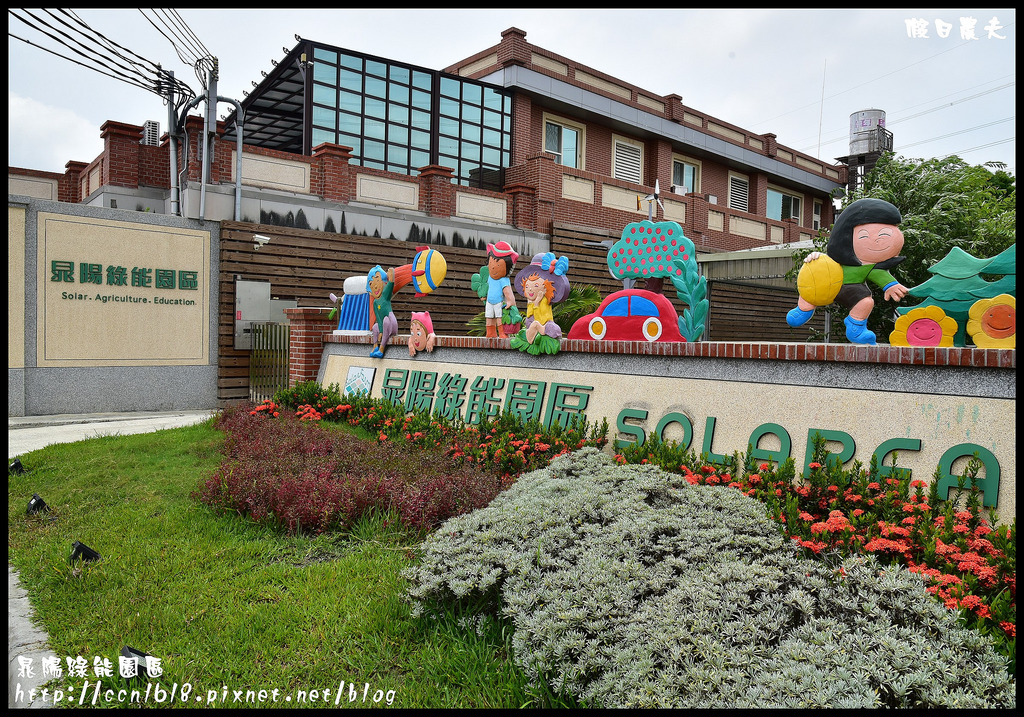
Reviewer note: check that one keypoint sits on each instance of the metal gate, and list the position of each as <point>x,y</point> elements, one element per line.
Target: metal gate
<point>268,362</point>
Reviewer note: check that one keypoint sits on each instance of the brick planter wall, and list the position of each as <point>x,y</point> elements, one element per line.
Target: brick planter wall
<point>306,342</point>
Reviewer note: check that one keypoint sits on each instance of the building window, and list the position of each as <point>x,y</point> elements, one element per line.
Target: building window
<point>685,175</point>
<point>783,205</point>
<point>388,112</point>
<point>627,160</point>
<point>816,219</point>
<point>564,140</point>
<point>739,190</point>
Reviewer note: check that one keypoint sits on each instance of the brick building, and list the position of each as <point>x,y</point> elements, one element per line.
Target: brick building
<point>513,139</point>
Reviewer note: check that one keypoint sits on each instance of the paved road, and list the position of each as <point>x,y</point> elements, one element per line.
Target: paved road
<point>30,433</point>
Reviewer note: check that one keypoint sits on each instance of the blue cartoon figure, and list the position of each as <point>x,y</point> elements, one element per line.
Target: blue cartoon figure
<point>381,286</point>
<point>500,260</point>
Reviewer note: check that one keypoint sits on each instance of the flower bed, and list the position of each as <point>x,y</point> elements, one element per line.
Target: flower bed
<point>967,564</point>
<point>306,477</point>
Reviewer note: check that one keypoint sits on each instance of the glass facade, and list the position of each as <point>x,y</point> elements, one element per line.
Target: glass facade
<point>400,118</point>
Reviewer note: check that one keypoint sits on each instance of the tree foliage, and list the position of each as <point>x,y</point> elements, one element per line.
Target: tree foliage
<point>945,203</point>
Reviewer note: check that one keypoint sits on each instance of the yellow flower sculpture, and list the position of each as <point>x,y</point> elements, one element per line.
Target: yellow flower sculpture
<point>992,323</point>
<point>924,326</point>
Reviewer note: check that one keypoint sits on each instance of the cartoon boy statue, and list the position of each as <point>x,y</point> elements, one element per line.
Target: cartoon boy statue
<point>381,286</point>
<point>865,243</point>
<point>500,260</point>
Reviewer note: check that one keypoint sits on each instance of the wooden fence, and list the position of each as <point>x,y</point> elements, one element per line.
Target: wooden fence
<point>307,266</point>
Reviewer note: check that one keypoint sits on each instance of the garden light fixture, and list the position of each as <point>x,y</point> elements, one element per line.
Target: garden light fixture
<point>81,551</point>
<point>37,505</point>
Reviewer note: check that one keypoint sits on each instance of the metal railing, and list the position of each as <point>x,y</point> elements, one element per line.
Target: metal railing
<point>268,363</point>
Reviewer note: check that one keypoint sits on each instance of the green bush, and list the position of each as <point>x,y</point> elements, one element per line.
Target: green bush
<point>627,586</point>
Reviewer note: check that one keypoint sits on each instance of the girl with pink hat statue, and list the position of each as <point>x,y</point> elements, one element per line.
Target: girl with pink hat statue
<point>421,333</point>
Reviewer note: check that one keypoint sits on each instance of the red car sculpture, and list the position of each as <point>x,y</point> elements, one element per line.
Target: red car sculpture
<point>630,315</point>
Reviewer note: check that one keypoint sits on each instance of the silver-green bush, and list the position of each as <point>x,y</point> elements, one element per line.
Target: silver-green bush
<point>628,587</point>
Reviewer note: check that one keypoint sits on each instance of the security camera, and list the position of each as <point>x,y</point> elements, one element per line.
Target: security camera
<point>258,241</point>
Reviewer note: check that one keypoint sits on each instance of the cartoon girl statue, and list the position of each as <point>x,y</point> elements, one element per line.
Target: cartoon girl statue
<point>862,246</point>
<point>542,284</point>
<point>381,286</point>
<point>500,260</point>
<point>421,333</point>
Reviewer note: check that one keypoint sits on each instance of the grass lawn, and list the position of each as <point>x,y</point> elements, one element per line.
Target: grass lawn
<point>226,603</point>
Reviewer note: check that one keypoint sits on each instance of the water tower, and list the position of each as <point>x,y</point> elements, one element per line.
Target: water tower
<point>868,139</point>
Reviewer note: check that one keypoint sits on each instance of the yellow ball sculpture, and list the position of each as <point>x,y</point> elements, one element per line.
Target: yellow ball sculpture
<point>819,281</point>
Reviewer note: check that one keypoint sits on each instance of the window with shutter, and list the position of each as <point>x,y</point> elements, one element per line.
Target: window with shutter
<point>738,192</point>
<point>628,162</point>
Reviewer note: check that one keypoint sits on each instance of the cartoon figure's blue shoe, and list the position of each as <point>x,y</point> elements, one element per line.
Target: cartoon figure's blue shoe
<point>798,317</point>
<point>376,353</point>
<point>857,331</point>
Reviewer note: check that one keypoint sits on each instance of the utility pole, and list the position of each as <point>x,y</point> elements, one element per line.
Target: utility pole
<point>172,130</point>
<point>209,133</point>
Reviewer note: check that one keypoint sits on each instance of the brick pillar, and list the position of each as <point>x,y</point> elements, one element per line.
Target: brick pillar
<point>757,199</point>
<point>336,176</point>
<point>222,169</point>
<point>696,228</point>
<point>524,206</point>
<point>69,189</point>
<point>771,145</point>
<point>660,163</point>
<point>674,108</point>
<point>120,154</point>
<point>306,342</point>
<point>514,50</point>
<point>437,193</point>
<point>792,230</point>
<point>194,128</point>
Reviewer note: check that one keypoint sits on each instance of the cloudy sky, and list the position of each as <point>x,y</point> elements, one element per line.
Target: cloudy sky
<point>799,74</point>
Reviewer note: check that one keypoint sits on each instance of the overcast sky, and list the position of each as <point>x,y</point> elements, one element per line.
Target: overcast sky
<point>799,74</point>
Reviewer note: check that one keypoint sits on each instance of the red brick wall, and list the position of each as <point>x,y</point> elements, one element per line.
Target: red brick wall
<point>306,342</point>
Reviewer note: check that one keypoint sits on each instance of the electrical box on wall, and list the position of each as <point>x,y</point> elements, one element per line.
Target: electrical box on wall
<point>252,305</point>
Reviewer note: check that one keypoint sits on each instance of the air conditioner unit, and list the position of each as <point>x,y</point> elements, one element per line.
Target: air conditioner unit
<point>151,133</point>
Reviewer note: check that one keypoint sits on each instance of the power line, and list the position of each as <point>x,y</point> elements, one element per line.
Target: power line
<point>891,122</point>
<point>983,146</point>
<point>954,134</point>
<point>133,76</point>
<point>110,59</point>
<point>199,57</point>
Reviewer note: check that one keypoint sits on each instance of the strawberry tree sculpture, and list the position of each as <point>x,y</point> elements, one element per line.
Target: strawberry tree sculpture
<point>659,250</point>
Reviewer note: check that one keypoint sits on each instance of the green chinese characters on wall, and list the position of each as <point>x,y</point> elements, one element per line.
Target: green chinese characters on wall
<point>454,397</point>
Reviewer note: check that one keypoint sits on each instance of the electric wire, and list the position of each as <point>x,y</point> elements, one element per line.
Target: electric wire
<point>133,76</point>
<point>189,48</point>
<point>842,136</point>
<point>109,60</point>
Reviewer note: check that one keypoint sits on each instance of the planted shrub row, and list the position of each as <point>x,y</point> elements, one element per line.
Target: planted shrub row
<point>307,477</point>
<point>629,586</point>
<point>968,565</point>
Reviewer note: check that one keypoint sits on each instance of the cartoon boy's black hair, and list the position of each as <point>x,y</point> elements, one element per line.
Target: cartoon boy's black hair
<point>862,211</point>
<point>509,262</point>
